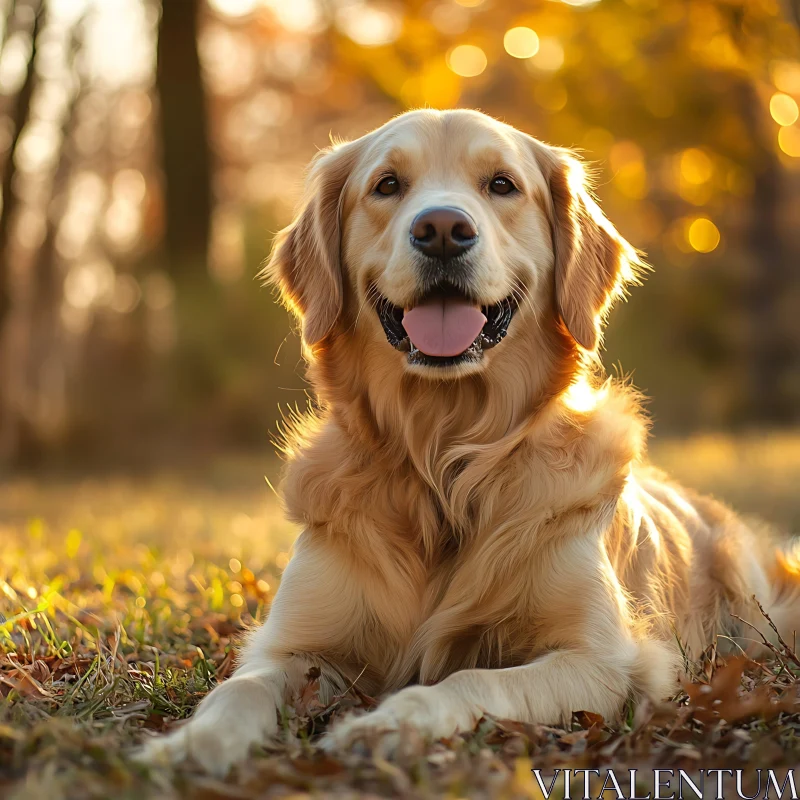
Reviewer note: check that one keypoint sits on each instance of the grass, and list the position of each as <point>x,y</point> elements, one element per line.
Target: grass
<point>122,600</point>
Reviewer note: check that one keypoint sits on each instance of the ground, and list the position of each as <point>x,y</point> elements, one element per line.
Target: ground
<point>121,600</point>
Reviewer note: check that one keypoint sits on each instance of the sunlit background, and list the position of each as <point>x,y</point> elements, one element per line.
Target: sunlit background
<point>150,149</point>
<point>149,153</point>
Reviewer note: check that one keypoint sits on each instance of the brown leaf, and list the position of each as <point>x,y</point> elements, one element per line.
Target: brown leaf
<point>24,685</point>
<point>39,671</point>
<point>573,738</point>
<point>307,703</point>
<point>74,666</point>
<point>217,625</point>
<point>226,665</point>
<point>723,698</point>
<point>318,766</point>
<point>588,719</point>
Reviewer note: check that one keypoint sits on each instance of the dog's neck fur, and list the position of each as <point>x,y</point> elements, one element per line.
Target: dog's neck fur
<point>441,444</point>
<point>407,414</point>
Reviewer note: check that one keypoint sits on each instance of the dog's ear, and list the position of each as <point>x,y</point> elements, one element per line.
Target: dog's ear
<point>306,258</point>
<point>593,263</point>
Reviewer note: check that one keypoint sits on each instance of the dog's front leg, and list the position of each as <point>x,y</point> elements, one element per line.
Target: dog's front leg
<point>239,713</point>
<point>315,608</point>
<point>597,657</point>
<point>546,691</point>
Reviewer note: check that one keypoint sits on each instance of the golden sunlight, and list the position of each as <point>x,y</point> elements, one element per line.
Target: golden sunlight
<point>550,55</point>
<point>696,166</point>
<point>582,397</point>
<point>703,235</point>
<point>301,16</point>
<point>435,86</point>
<point>630,173</point>
<point>369,26</point>
<point>467,60</point>
<point>521,42</point>
<point>789,141</point>
<point>783,109</point>
<point>786,76</point>
<point>234,8</point>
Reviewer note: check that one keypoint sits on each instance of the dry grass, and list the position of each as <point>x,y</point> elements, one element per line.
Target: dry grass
<point>122,600</point>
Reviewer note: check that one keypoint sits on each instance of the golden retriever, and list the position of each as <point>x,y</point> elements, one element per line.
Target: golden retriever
<point>481,534</point>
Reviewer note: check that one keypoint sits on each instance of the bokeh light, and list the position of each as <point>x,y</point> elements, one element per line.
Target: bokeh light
<point>234,8</point>
<point>626,159</point>
<point>369,26</point>
<point>450,19</point>
<point>597,141</point>
<point>521,42</point>
<point>783,109</point>
<point>789,141</point>
<point>650,100</point>
<point>695,165</point>
<point>550,55</point>
<point>300,16</point>
<point>786,76</point>
<point>467,60</point>
<point>703,235</point>
<point>126,294</point>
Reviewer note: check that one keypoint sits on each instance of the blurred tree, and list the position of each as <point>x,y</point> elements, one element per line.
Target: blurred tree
<point>146,309</point>
<point>770,352</point>
<point>668,96</point>
<point>44,371</point>
<point>21,14</point>
<point>794,10</point>
<point>186,153</point>
<point>188,204</point>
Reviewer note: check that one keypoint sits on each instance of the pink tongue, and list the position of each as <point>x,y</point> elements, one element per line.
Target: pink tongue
<point>444,326</point>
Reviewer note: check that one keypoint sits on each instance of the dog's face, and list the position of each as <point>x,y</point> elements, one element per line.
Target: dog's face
<point>445,234</point>
<point>442,233</point>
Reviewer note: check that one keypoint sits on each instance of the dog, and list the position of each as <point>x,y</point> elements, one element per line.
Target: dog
<point>482,533</point>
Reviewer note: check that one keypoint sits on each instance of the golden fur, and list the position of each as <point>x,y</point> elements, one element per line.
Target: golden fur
<point>490,536</point>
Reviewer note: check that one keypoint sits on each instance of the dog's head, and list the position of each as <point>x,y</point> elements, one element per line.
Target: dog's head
<point>442,233</point>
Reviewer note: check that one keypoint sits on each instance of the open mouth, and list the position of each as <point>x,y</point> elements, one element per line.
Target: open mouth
<point>445,327</point>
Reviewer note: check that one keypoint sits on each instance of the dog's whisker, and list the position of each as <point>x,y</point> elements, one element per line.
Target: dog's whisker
<point>523,297</point>
<point>371,299</point>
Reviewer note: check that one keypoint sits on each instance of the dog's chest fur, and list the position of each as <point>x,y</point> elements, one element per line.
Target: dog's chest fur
<point>423,618</point>
<point>452,565</point>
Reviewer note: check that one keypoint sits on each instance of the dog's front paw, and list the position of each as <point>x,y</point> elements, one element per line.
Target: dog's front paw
<point>407,720</point>
<point>197,744</point>
<point>237,715</point>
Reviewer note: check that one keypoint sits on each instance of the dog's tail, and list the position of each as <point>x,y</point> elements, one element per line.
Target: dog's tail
<point>784,604</point>
<point>762,588</point>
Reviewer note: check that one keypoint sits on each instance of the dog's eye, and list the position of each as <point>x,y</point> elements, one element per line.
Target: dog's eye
<point>388,185</point>
<point>501,185</point>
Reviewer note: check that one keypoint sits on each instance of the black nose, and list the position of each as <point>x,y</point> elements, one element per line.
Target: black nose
<point>444,232</point>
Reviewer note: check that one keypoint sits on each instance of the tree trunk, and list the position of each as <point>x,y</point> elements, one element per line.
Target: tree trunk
<point>770,352</point>
<point>11,380</point>
<point>44,358</point>
<point>184,137</point>
<point>19,116</point>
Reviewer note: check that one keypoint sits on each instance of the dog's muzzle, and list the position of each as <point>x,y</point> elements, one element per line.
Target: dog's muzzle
<point>445,327</point>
